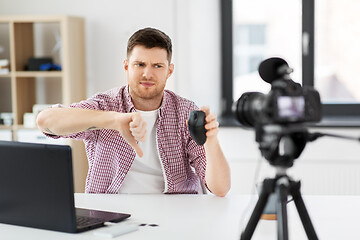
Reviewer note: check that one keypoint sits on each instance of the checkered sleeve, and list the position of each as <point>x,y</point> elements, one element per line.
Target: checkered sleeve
<point>101,101</point>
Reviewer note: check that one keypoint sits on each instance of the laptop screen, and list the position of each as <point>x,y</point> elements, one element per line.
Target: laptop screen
<point>36,186</point>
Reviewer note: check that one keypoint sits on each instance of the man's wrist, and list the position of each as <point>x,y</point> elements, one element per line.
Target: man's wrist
<point>211,141</point>
<point>112,120</point>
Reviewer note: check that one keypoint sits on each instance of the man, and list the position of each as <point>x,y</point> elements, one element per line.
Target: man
<point>136,136</point>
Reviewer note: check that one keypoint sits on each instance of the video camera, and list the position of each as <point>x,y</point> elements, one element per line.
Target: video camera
<point>278,116</point>
<point>286,103</point>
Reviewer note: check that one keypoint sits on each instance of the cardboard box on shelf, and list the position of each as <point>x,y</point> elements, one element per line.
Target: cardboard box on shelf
<point>4,66</point>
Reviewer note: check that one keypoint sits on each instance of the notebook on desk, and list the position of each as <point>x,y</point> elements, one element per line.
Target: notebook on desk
<point>36,189</point>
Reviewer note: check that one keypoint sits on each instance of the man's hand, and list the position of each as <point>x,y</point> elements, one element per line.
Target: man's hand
<point>217,173</point>
<point>132,128</point>
<point>212,125</point>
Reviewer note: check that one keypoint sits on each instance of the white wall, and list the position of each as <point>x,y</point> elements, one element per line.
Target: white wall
<point>327,166</point>
<point>198,51</point>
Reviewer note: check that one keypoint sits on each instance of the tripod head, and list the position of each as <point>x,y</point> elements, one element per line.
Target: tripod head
<point>282,144</point>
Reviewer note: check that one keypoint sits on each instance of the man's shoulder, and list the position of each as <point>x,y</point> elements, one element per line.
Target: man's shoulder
<point>111,94</point>
<point>180,105</point>
<point>177,99</point>
<point>114,99</point>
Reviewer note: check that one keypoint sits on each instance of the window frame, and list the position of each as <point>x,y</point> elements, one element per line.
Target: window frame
<point>334,115</point>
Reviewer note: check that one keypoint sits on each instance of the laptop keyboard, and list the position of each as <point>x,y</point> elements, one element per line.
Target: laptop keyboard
<point>82,221</point>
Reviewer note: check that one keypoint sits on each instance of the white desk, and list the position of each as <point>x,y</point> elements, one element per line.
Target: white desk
<point>206,217</point>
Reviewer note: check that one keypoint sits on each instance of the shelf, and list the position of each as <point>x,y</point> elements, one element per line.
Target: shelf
<point>18,127</point>
<point>5,127</point>
<point>38,74</point>
<point>33,74</point>
<point>5,75</point>
<point>31,19</point>
<point>28,36</point>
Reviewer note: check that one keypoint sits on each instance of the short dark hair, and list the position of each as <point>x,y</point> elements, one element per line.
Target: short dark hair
<point>150,38</point>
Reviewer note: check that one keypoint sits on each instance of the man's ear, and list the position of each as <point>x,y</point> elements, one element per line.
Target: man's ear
<point>171,70</point>
<point>126,64</point>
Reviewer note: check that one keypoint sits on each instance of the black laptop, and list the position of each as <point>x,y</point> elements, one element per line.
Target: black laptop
<point>36,189</point>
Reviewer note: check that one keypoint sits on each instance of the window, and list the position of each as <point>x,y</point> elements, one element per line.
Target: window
<point>255,30</point>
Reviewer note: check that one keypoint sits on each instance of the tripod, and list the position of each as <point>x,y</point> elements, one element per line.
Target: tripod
<point>282,186</point>
<point>280,145</point>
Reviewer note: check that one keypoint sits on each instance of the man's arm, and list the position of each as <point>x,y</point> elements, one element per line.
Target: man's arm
<point>64,121</point>
<point>217,173</point>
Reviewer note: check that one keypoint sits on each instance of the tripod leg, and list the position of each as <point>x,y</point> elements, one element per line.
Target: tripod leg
<point>282,193</point>
<point>258,210</point>
<point>304,215</point>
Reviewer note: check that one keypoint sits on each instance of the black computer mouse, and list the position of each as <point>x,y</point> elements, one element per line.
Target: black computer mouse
<point>196,124</point>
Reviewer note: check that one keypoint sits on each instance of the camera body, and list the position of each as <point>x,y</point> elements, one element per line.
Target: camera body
<point>278,116</point>
<point>287,102</point>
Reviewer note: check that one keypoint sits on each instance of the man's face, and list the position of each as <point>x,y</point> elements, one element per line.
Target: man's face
<point>147,71</point>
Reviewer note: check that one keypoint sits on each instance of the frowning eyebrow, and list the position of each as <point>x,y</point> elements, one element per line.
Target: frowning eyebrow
<point>141,62</point>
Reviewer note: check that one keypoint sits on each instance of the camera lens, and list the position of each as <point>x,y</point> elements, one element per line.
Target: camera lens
<point>247,108</point>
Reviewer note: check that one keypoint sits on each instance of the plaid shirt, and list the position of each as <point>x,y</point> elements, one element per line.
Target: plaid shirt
<point>110,156</point>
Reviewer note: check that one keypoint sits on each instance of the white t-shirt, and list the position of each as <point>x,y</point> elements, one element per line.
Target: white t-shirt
<point>145,174</point>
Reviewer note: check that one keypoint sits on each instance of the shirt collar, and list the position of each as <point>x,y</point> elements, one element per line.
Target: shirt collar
<point>164,103</point>
<point>129,106</point>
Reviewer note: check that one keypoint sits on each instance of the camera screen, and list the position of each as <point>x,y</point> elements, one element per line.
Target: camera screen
<point>291,107</point>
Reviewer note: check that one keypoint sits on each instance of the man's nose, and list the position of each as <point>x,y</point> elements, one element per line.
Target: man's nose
<point>148,73</point>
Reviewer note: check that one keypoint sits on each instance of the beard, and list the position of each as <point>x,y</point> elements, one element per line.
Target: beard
<point>139,91</point>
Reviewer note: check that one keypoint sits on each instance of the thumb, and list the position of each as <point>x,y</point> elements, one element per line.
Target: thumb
<point>135,118</point>
<point>136,147</point>
<point>205,109</point>
<point>138,151</point>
